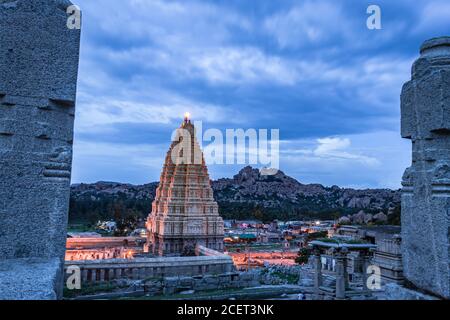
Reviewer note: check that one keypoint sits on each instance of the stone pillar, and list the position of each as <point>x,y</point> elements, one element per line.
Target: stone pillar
<point>93,275</point>
<point>111,274</point>
<point>38,76</point>
<point>142,273</point>
<point>84,275</point>
<point>365,264</point>
<point>346,277</point>
<point>102,275</point>
<point>317,271</point>
<point>425,111</point>
<point>340,275</point>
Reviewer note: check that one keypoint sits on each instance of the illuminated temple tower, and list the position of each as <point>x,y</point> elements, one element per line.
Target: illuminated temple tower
<point>184,212</point>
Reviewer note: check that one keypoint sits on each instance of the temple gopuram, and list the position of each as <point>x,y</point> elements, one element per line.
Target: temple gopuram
<point>184,213</point>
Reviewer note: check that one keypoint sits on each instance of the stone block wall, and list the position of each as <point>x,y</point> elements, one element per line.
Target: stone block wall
<point>96,271</point>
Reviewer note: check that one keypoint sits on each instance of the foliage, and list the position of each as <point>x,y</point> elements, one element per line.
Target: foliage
<point>89,211</point>
<point>80,228</point>
<point>188,251</point>
<point>90,207</point>
<point>395,217</point>
<point>283,211</point>
<point>126,225</point>
<point>303,256</point>
<point>342,241</point>
<point>91,289</point>
<point>316,235</point>
<point>289,278</point>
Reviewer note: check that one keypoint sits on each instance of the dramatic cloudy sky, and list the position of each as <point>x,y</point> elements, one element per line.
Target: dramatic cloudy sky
<point>309,68</point>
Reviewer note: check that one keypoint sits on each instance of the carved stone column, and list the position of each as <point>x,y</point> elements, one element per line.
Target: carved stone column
<point>110,274</point>
<point>365,256</point>
<point>102,275</point>
<point>39,56</point>
<point>340,274</point>
<point>425,110</point>
<point>93,275</point>
<point>84,276</point>
<point>317,270</point>
<point>346,276</point>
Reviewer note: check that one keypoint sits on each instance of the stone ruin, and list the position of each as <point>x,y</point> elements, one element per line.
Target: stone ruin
<point>340,253</point>
<point>425,112</point>
<point>38,74</point>
<point>39,56</point>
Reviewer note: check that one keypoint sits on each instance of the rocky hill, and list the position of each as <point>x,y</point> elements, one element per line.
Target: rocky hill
<point>249,194</point>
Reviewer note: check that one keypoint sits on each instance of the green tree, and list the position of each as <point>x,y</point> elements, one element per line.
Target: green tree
<point>258,213</point>
<point>303,256</point>
<point>316,235</point>
<point>395,217</point>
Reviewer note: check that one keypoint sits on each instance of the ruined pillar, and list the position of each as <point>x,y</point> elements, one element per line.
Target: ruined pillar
<point>345,267</point>
<point>38,76</point>
<point>365,265</point>
<point>84,275</point>
<point>110,274</point>
<point>94,275</point>
<point>141,273</point>
<point>317,270</point>
<point>425,111</point>
<point>134,273</point>
<point>340,274</point>
<point>102,275</point>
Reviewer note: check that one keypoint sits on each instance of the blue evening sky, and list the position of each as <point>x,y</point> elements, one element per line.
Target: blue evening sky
<point>311,69</point>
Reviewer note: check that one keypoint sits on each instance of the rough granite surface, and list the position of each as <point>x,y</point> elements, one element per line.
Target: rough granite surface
<point>425,112</point>
<point>38,74</point>
<point>393,291</point>
<point>29,279</point>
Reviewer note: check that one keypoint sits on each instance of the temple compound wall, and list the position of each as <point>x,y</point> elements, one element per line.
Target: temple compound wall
<point>425,120</point>
<point>38,76</point>
<point>93,271</point>
<point>103,248</point>
<point>104,242</point>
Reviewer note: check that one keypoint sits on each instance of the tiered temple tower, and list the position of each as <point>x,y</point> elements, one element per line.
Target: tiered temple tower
<point>184,212</point>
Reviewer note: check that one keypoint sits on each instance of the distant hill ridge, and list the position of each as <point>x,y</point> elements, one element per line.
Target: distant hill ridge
<point>249,194</point>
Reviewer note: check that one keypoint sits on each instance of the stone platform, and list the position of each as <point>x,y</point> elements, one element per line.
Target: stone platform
<point>94,271</point>
<point>30,279</point>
